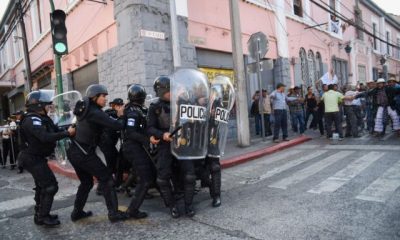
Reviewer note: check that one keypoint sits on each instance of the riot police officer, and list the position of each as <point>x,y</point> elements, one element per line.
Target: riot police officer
<point>136,141</point>
<point>91,121</point>
<point>222,99</point>
<point>109,140</point>
<point>110,137</point>
<point>158,128</point>
<point>39,135</point>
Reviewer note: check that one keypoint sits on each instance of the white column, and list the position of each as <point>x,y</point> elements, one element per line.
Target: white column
<point>281,29</point>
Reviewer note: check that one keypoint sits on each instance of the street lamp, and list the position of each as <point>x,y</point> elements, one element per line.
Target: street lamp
<point>347,49</point>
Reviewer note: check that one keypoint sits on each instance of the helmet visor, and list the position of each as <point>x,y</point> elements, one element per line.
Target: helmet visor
<point>46,96</point>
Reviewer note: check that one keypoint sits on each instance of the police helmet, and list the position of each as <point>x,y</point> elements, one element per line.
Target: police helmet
<point>37,100</point>
<point>161,85</point>
<point>137,94</point>
<point>95,90</point>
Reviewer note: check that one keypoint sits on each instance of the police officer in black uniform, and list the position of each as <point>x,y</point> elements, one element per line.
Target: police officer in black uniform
<point>109,140</point>
<point>91,121</point>
<point>158,128</point>
<point>39,135</point>
<point>110,136</point>
<point>136,141</point>
<point>19,145</point>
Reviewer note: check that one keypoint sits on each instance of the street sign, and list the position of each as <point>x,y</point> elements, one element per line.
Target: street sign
<point>264,65</point>
<point>152,34</point>
<point>258,45</point>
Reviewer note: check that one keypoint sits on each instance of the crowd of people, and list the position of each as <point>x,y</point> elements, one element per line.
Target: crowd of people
<point>371,107</point>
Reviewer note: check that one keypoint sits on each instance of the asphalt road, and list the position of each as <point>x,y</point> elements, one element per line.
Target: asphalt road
<point>312,191</point>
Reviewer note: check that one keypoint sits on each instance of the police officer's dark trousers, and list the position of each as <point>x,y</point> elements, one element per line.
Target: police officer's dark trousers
<point>141,162</point>
<point>214,166</point>
<point>87,166</point>
<point>46,185</point>
<point>164,175</point>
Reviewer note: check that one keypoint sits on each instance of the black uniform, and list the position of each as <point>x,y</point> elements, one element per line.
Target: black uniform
<point>39,135</point>
<point>158,124</point>
<point>109,141</point>
<point>136,141</point>
<point>87,164</point>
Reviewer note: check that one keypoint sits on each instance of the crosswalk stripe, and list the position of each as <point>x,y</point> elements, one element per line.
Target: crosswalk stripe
<point>381,189</point>
<point>28,201</point>
<point>387,136</point>
<point>343,176</point>
<point>364,147</point>
<point>286,166</point>
<point>367,135</point>
<point>310,170</point>
<point>265,161</point>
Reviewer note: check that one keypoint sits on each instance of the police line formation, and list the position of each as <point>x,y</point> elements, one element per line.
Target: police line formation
<point>184,130</point>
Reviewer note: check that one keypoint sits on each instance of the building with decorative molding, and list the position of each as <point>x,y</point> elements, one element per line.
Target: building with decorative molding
<point>121,42</point>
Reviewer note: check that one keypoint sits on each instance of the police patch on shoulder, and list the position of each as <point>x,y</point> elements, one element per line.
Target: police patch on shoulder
<point>37,123</point>
<point>131,122</point>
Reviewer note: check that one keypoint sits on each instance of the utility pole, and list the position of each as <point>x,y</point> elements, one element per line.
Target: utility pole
<point>57,63</point>
<point>242,110</point>
<point>175,35</point>
<point>28,85</point>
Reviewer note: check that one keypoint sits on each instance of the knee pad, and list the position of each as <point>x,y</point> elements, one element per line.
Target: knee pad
<point>215,167</point>
<point>190,178</point>
<point>50,190</point>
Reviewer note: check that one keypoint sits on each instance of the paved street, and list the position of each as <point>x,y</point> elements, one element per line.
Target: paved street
<point>312,191</point>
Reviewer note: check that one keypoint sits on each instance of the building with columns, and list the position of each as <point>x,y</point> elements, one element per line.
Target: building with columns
<point>121,42</point>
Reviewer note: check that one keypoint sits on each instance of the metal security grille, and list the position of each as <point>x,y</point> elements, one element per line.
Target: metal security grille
<point>311,69</point>
<point>319,68</point>
<point>305,77</point>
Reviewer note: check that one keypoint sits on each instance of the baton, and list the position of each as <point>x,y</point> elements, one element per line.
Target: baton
<point>175,131</point>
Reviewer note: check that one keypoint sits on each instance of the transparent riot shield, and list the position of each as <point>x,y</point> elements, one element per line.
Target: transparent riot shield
<point>61,111</point>
<point>189,114</point>
<point>222,99</point>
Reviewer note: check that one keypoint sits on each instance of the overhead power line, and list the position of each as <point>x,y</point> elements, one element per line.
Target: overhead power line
<point>341,17</point>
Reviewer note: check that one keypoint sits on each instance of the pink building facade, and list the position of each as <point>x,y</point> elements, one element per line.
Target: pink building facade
<point>305,41</point>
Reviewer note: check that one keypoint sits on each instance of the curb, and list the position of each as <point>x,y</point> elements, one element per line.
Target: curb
<point>262,152</point>
<point>56,168</point>
<point>70,173</point>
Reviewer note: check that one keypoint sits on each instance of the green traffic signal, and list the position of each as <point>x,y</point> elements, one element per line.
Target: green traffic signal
<point>60,47</point>
<point>59,32</point>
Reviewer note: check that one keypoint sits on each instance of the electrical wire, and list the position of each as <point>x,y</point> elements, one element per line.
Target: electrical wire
<point>354,25</point>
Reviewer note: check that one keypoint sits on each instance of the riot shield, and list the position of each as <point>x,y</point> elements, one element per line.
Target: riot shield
<point>222,99</point>
<point>189,112</point>
<point>61,111</point>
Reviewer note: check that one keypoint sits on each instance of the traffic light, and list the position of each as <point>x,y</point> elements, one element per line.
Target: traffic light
<point>59,32</point>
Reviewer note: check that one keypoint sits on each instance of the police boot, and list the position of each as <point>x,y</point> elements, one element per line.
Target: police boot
<point>46,201</point>
<point>189,194</point>
<point>80,214</point>
<point>110,196</point>
<point>140,194</point>
<point>215,187</point>
<point>166,194</point>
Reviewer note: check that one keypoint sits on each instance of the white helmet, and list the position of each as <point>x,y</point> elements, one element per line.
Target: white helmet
<point>381,80</point>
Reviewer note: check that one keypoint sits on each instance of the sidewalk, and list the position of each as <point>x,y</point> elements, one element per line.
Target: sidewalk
<point>234,155</point>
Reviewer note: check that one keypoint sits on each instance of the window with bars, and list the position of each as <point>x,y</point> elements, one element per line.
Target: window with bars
<point>387,42</point>
<point>398,48</point>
